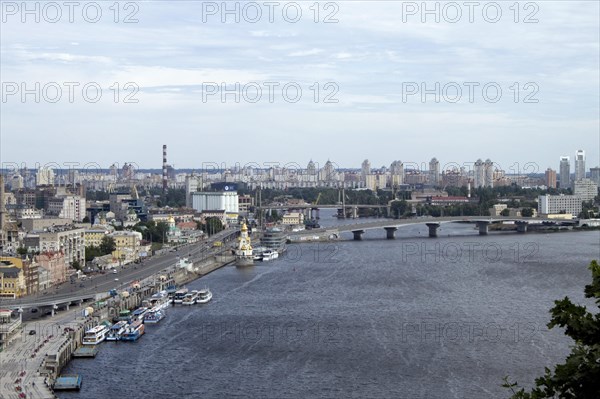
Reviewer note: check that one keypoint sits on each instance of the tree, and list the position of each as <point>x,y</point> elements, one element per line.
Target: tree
<point>212,225</point>
<point>527,212</point>
<point>85,220</point>
<point>579,376</point>
<point>107,245</point>
<point>22,251</point>
<point>76,265</point>
<point>505,212</point>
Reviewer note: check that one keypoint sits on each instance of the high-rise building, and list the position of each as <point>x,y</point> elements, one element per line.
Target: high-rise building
<point>550,178</point>
<point>579,165</point>
<point>396,173</point>
<point>483,173</point>
<point>478,174</point>
<point>488,168</point>
<point>365,170</point>
<point>434,172</point>
<point>595,175</point>
<point>553,204</point>
<point>565,172</point>
<point>44,177</point>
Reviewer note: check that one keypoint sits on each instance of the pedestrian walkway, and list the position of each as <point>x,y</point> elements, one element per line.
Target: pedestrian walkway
<point>21,362</point>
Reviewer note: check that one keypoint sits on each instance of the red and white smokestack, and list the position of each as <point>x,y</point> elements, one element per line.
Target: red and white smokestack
<point>164,169</point>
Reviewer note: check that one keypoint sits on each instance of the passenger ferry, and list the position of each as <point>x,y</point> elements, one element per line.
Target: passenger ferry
<point>154,315</point>
<point>139,313</point>
<point>179,295</point>
<point>190,298</point>
<point>117,330</point>
<point>204,296</point>
<point>160,300</point>
<point>269,255</point>
<point>133,332</point>
<point>95,335</point>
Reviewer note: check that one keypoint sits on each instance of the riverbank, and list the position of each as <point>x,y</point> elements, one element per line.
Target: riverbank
<point>31,364</point>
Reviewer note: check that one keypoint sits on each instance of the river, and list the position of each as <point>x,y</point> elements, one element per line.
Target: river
<point>413,317</point>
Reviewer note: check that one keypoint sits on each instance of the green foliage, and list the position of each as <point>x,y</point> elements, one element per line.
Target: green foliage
<point>579,376</point>
<point>527,212</point>
<point>76,265</point>
<point>85,220</point>
<point>107,245</point>
<point>399,208</point>
<point>22,251</point>
<point>505,212</point>
<point>213,225</point>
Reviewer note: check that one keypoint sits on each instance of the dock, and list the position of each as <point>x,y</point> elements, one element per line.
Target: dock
<point>68,383</point>
<point>85,351</point>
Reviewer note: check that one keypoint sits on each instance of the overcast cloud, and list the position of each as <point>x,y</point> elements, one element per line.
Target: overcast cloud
<point>367,61</point>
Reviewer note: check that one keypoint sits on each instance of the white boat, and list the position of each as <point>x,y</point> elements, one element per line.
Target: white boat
<point>116,331</point>
<point>190,298</point>
<point>204,296</point>
<point>160,300</point>
<point>95,335</point>
<point>179,295</point>
<point>154,315</point>
<point>139,313</point>
<point>269,254</point>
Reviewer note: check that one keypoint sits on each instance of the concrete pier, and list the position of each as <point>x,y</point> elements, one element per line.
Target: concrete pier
<point>521,226</point>
<point>358,234</point>
<point>433,229</point>
<point>483,227</point>
<point>390,232</point>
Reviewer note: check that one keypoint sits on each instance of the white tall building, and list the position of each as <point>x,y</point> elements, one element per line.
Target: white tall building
<point>579,165</point>
<point>478,174</point>
<point>44,177</point>
<point>488,170</point>
<point>553,204</point>
<point>68,207</point>
<point>434,172</point>
<point>192,183</point>
<point>565,173</point>
<point>215,201</point>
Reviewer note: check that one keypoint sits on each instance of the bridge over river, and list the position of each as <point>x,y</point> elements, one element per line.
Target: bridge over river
<point>433,223</point>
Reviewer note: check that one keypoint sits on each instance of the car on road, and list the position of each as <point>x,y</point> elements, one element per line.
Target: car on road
<point>116,279</point>
<point>31,332</point>
<point>114,271</point>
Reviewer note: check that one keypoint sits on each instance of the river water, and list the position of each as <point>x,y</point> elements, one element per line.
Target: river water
<point>412,317</point>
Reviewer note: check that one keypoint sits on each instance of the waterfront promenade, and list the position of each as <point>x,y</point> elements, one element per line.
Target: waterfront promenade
<point>25,364</point>
<point>22,361</point>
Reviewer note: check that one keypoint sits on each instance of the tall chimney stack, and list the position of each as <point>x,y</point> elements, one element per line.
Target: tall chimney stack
<point>2,208</point>
<point>164,171</point>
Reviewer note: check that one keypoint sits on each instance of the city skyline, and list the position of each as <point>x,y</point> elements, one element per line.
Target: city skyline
<point>173,56</point>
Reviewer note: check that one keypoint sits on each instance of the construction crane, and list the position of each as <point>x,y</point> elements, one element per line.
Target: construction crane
<point>318,198</point>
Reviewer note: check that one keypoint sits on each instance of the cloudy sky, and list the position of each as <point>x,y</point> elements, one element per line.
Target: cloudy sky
<point>362,76</point>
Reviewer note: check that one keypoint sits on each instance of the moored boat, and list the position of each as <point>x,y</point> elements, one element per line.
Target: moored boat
<point>116,331</point>
<point>190,298</point>
<point>160,299</point>
<point>179,295</point>
<point>95,335</point>
<point>154,315</point>
<point>269,255</point>
<point>134,331</point>
<point>204,296</point>
<point>139,313</point>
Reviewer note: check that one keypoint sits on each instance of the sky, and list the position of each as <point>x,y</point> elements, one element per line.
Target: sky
<point>344,81</point>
